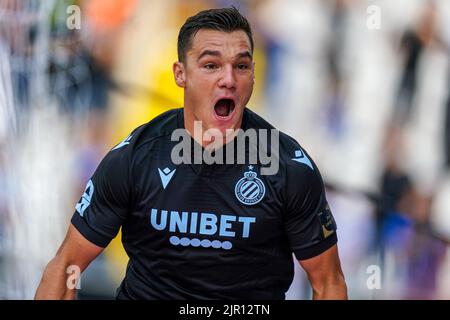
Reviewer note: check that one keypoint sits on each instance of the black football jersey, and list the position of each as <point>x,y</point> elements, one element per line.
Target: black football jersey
<point>205,231</point>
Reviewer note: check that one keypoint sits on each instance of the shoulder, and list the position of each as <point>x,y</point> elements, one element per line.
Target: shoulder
<point>301,172</point>
<point>158,128</point>
<point>161,126</point>
<point>254,121</point>
<point>291,154</point>
<point>298,177</point>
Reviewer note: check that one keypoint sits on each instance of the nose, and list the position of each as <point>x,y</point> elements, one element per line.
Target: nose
<point>227,78</point>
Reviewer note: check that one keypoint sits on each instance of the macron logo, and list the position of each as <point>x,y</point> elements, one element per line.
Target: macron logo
<point>166,175</point>
<point>301,158</point>
<point>123,143</point>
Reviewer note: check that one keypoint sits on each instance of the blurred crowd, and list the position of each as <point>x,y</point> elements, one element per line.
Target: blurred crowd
<point>369,101</point>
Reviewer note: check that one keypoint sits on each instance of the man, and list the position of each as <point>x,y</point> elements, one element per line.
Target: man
<point>205,231</point>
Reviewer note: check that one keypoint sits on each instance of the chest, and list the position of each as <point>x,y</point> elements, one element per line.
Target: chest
<point>208,206</point>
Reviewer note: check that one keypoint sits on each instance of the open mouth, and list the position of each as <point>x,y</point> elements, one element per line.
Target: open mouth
<point>224,108</point>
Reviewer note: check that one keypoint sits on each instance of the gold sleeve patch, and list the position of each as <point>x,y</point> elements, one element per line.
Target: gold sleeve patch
<point>327,222</point>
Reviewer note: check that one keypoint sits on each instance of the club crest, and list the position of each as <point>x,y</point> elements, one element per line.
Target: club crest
<point>250,189</point>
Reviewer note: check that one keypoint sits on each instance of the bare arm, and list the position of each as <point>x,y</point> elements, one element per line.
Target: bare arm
<point>74,251</point>
<point>326,276</point>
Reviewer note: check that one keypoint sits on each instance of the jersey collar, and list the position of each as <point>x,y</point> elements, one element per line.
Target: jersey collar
<point>206,169</point>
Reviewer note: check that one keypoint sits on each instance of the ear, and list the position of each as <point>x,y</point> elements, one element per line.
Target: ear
<point>179,74</point>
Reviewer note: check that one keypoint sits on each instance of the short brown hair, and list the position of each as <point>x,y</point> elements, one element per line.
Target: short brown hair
<point>224,19</point>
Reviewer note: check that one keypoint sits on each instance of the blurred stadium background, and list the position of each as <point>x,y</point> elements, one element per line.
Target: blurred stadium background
<point>371,104</point>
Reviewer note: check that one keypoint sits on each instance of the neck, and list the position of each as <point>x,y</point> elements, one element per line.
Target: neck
<point>208,137</point>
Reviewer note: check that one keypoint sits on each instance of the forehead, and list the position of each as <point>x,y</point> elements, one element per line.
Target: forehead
<point>206,39</point>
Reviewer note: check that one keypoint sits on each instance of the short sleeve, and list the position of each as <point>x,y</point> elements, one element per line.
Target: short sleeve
<point>309,223</point>
<point>105,203</point>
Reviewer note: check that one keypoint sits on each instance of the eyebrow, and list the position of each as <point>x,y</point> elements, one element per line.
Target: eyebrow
<point>209,53</point>
<point>245,54</point>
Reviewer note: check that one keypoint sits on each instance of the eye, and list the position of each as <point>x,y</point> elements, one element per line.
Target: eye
<point>243,66</point>
<point>210,66</point>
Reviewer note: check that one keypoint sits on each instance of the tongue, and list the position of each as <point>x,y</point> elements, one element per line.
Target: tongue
<point>222,108</point>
